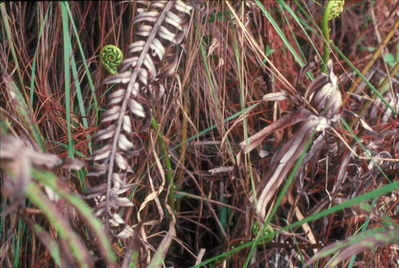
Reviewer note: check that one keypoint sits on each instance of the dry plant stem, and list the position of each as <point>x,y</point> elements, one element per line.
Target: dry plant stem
<point>160,27</point>
<point>167,162</point>
<point>4,16</point>
<point>211,201</point>
<point>299,216</point>
<point>180,171</point>
<point>284,122</point>
<point>357,155</point>
<point>326,34</point>
<point>374,57</point>
<point>111,57</point>
<point>211,209</point>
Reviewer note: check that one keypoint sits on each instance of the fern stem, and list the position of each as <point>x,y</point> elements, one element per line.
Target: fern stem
<point>326,34</point>
<point>332,10</point>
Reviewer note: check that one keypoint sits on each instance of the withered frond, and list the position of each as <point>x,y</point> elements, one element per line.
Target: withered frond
<point>158,27</point>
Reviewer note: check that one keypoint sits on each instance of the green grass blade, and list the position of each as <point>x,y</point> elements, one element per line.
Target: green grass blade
<point>24,113</point>
<point>349,203</point>
<point>79,97</point>
<point>65,232</point>
<point>18,243</point>
<point>270,18</point>
<point>50,243</point>
<point>84,211</point>
<point>67,75</point>
<point>86,66</point>
<point>302,25</point>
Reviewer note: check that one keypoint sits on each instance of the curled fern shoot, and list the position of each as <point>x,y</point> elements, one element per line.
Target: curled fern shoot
<point>111,57</point>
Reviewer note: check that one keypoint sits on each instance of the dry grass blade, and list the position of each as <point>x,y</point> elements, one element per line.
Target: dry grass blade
<point>163,247</point>
<point>284,122</point>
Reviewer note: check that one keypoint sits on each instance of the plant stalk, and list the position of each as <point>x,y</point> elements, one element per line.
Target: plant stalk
<point>332,10</point>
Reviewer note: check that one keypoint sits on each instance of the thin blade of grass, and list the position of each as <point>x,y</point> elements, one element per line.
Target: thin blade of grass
<point>243,93</point>
<point>272,21</point>
<point>302,25</point>
<point>67,75</point>
<point>18,243</point>
<point>86,66</point>
<point>80,99</point>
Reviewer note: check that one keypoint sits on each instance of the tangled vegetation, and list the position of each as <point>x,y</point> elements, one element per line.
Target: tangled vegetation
<point>229,134</point>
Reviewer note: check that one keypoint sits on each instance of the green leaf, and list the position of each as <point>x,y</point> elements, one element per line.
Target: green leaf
<point>389,59</point>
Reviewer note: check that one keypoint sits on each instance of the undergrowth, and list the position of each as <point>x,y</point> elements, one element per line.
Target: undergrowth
<point>339,204</point>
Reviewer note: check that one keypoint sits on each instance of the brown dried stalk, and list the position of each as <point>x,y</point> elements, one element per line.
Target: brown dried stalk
<point>324,96</point>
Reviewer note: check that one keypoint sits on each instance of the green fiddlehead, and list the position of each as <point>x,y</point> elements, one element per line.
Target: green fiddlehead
<point>111,57</point>
<point>332,10</point>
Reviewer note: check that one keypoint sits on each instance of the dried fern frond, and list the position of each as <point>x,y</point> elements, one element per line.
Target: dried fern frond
<point>19,160</point>
<point>326,101</point>
<point>158,27</point>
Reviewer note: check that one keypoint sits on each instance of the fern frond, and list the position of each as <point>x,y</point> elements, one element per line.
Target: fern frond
<point>158,26</point>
